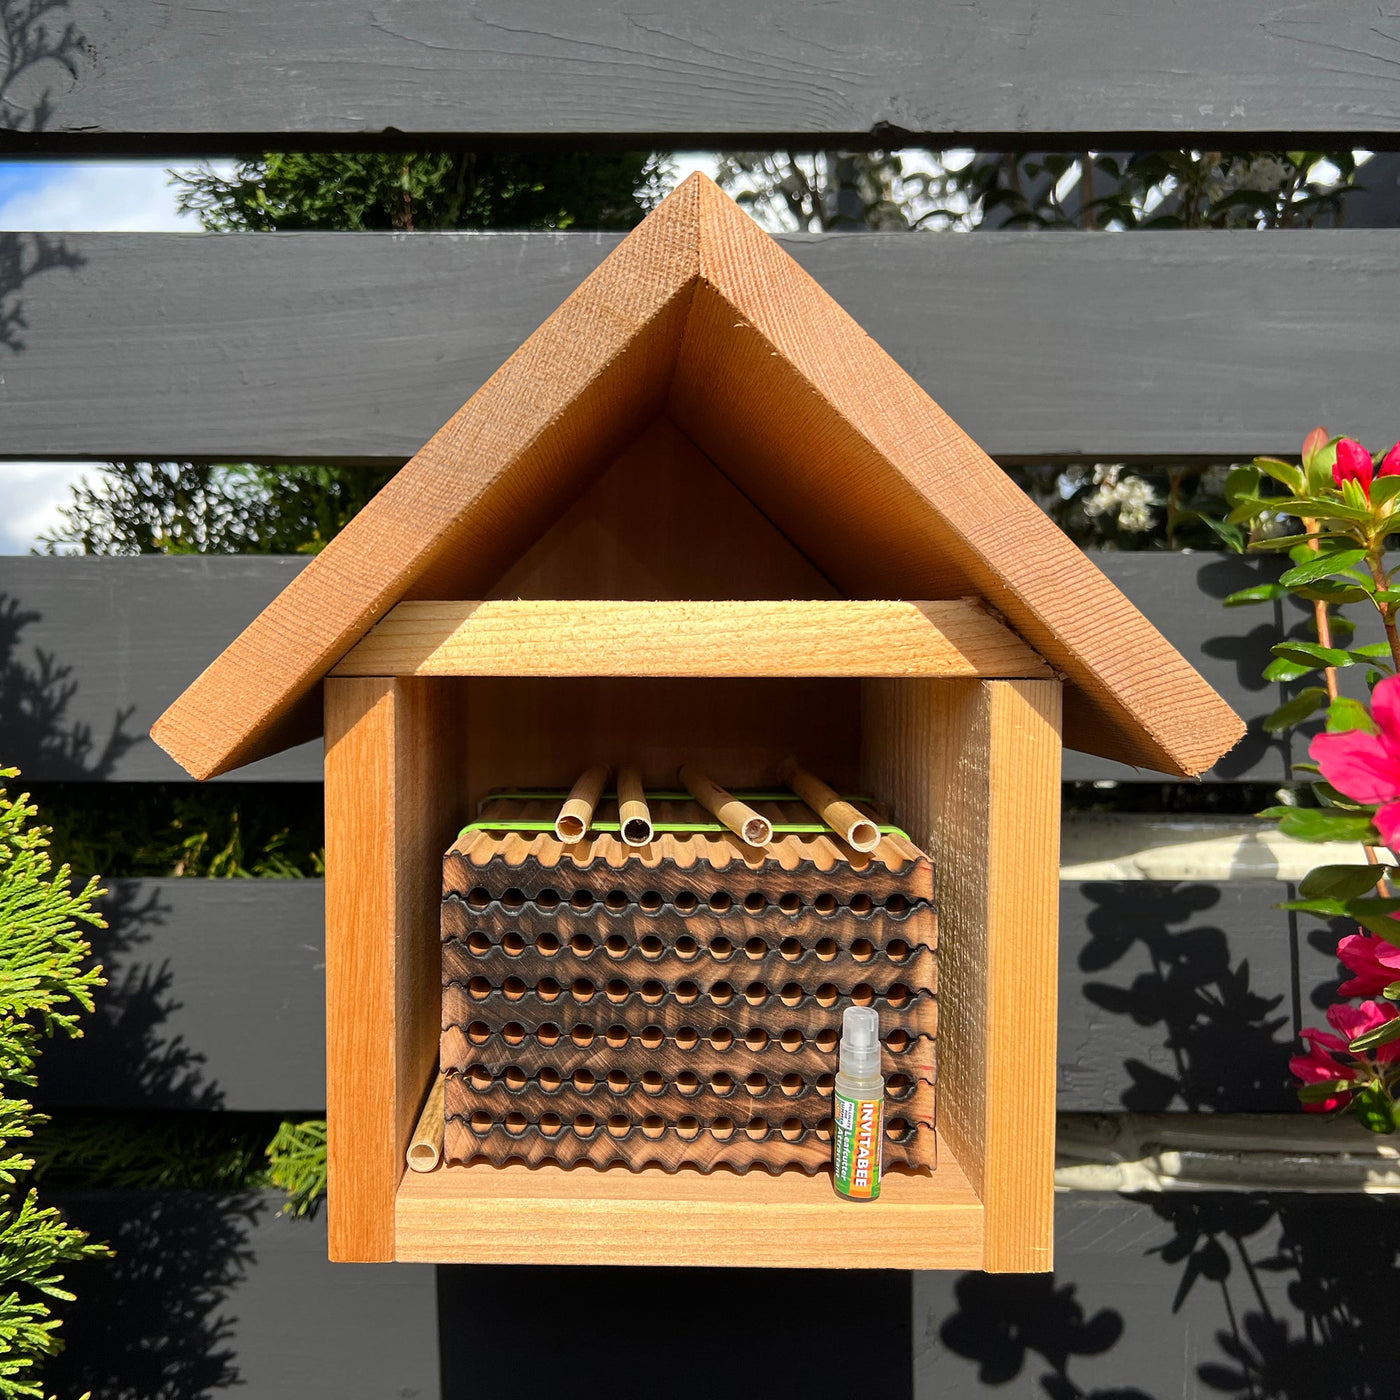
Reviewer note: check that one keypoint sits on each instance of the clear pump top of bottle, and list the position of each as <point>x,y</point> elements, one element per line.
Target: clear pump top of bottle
<point>860,1042</point>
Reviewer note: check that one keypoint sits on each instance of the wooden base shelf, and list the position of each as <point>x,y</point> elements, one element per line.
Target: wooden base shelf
<point>523,1215</point>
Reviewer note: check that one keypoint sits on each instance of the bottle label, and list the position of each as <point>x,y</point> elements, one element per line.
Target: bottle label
<point>860,1146</point>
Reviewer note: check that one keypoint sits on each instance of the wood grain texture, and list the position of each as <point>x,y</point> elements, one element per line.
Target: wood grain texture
<point>967,765</point>
<point>129,633</point>
<point>393,792</point>
<point>817,425</point>
<point>662,522</point>
<point>733,74</point>
<point>516,1214</point>
<point>609,638</point>
<point>356,347</point>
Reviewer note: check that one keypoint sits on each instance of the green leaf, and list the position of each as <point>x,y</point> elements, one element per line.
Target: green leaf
<point>1326,590</point>
<point>1250,508</point>
<point>1341,881</point>
<point>1325,564</point>
<point>1321,824</point>
<point>1376,915</point>
<point>1232,535</point>
<point>1371,651</point>
<point>1373,1039</point>
<point>1321,508</point>
<point>1307,702</point>
<point>1282,542</point>
<point>1280,670</point>
<point>1284,473</point>
<point>1392,992</point>
<point>1257,593</point>
<point>1324,1090</point>
<point>1241,482</point>
<point>1373,1109</point>
<point>1383,489</point>
<point>1312,654</point>
<point>1346,714</point>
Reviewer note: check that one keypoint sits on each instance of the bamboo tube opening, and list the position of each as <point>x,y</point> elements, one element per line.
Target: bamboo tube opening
<point>633,815</point>
<point>852,826</point>
<point>576,815</point>
<point>738,816</point>
<point>425,1147</point>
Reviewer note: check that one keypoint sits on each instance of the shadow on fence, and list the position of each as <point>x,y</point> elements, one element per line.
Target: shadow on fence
<point>1257,1298</point>
<point>155,1322</point>
<point>35,695</point>
<point>686,1334</point>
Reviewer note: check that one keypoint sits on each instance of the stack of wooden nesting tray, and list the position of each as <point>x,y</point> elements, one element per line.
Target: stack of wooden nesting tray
<point>678,1004</point>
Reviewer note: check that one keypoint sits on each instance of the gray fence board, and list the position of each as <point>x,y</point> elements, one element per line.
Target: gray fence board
<point>1173,996</point>
<point>359,346</point>
<point>1152,1299</point>
<point>999,68</point>
<point>215,1293</point>
<point>92,650</point>
<point>1173,1298</point>
<point>215,1000</point>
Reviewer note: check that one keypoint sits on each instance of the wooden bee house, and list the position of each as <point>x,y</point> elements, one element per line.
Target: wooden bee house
<point>699,514</point>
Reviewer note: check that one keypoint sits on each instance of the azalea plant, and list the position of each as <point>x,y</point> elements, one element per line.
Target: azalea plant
<point>1338,508</point>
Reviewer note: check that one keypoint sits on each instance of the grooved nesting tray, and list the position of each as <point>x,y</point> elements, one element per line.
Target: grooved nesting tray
<point>679,1004</point>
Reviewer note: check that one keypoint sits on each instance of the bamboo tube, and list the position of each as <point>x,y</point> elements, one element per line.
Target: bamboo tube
<point>577,812</point>
<point>740,818</point>
<point>633,814</point>
<point>425,1147</point>
<point>856,830</point>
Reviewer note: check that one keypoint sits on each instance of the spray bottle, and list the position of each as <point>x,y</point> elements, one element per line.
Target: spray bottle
<point>859,1106</point>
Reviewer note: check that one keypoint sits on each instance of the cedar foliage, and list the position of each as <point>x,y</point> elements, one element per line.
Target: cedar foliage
<point>45,984</point>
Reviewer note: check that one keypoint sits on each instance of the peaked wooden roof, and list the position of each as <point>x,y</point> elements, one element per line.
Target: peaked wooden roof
<point>700,315</point>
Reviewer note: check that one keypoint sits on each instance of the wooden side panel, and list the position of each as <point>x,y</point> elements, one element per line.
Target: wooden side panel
<point>971,769</point>
<point>394,799</point>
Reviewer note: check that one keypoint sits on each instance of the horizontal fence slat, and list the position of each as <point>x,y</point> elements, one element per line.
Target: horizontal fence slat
<point>92,650</point>
<point>216,1293</point>
<point>1174,995</point>
<point>213,1292</point>
<point>359,346</point>
<point>215,999</point>
<point>1000,68</point>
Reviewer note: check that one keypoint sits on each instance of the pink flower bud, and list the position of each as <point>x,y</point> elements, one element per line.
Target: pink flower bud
<point>1390,463</point>
<point>1314,442</point>
<point>1353,464</point>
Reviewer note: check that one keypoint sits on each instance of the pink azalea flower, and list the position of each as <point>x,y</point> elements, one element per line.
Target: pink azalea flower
<point>1319,1065</point>
<point>1390,463</point>
<point>1353,464</point>
<point>1366,767</point>
<point>1375,962</point>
